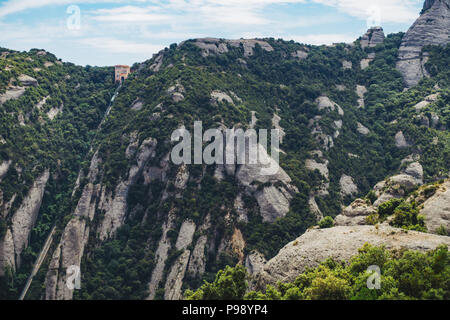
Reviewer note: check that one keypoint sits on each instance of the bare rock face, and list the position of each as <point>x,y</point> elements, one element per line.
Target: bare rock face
<point>347,64</point>
<point>361,91</point>
<point>273,199</point>
<point>240,208</point>
<point>219,96</point>
<point>400,141</point>
<point>316,130</point>
<point>156,66</point>
<point>249,45</point>
<point>185,235</point>
<point>137,105</point>
<point>314,208</point>
<point>11,94</point>
<point>176,92</point>
<point>197,261</point>
<point>436,209</point>
<point>161,256</point>
<point>398,185</point>
<point>7,253</point>
<point>276,124</point>
<point>372,37</point>
<point>172,289</point>
<point>4,166</point>
<point>116,207</point>
<point>27,81</point>
<point>73,240</point>
<point>348,186</point>
<point>54,111</point>
<point>273,203</point>
<point>300,54</point>
<point>51,279</point>
<point>324,102</point>
<point>211,46</point>
<point>431,28</point>
<point>24,218</point>
<point>362,129</point>
<point>340,243</point>
<point>312,165</point>
<point>355,214</point>
<point>174,282</point>
<point>182,177</point>
<point>255,262</point>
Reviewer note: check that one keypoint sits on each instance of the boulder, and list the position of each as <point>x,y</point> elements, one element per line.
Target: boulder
<point>348,186</point>
<point>355,214</point>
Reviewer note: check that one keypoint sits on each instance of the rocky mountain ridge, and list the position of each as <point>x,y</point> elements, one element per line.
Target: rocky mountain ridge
<point>146,228</point>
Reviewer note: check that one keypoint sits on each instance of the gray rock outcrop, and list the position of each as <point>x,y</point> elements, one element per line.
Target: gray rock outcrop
<point>355,214</point>
<point>431,28</point>
<point>24,218</point>
<point>348,186</point>
<point>340,243</point>
<point>400,140</point>
<point>397,186</point>
<point>174,282</point>
<point>436,209</point>
<point>372,37</point>
<point>277,192</point>
<point>115,207</point>
<point>249,45</point>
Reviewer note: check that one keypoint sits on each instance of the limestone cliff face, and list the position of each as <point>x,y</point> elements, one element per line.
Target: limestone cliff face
<point>431,28</point>
<point>372,37</point>
<point>340,243</point>
<point>69,251</point>
<point>436,209</point>
<point>76,234</point>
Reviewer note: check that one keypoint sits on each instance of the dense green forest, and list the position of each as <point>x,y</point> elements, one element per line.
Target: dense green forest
<point>269,83</point>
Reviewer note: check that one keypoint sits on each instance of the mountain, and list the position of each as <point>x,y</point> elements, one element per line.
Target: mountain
<point>432,28</point>
<point>88,182</point>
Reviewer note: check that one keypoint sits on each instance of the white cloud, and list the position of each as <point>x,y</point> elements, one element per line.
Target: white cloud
<point>233,10</point>
<point>401,11</point>
<point>319,39</point>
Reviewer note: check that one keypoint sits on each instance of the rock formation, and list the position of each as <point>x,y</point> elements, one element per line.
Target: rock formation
<point>372,37</point>
<point>436,209</point>
<point>431,28</point>
<point>355,214</point>
<point>340,243</point>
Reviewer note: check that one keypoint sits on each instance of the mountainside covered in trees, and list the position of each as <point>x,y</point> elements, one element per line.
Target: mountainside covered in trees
<point>94,172</point>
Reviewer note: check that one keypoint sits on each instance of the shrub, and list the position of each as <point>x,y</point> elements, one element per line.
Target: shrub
<point>326,222</point>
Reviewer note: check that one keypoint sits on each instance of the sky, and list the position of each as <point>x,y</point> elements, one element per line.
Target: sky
<point>109,32</point>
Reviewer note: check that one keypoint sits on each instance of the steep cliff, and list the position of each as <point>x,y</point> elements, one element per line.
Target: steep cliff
<point>340,243</point>
<point>147,228</point>
<point>431,28</point>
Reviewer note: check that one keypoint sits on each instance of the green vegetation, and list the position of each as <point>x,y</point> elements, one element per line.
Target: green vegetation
<point>405,275</point>
<point>82,96</point>
<point>269,83</point>
<point>326,222</point>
